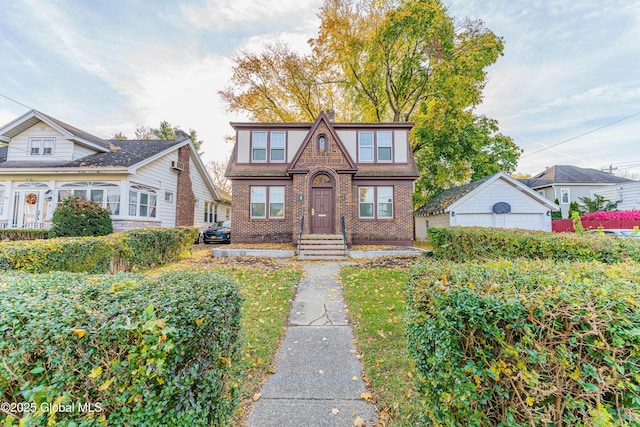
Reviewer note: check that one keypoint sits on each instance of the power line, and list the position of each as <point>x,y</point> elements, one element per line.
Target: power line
<point>13,100</point>
<point>581,135</point>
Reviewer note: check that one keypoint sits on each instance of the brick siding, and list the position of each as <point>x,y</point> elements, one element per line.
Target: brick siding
<point>185,198</point>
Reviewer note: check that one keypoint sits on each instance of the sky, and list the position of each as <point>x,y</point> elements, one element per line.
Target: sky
<point>567,89</point>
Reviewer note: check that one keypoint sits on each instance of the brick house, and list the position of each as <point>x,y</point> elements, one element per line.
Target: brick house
<point>320,175</point>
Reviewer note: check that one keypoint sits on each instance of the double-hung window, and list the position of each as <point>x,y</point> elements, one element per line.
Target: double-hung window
<point>384,146</point>
<point>277,146</point>
<point>365,146</point>
<point>41,146</point>
<point>259,146</point>
<point>375,202</point>
<point>267,202</point>
<point>143,201</point>
<point>375,146</point>
<point>564,195</point>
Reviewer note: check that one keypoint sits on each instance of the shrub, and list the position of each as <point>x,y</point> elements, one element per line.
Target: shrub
<point>557,214</point>
<point>13,234</point>
<point>149,247</point>
<point>612,216</point>
<point>470,243</point>
<point>526,343</point>
<point>73,254</point>
<point>78,217</point>
<point>150,351</point>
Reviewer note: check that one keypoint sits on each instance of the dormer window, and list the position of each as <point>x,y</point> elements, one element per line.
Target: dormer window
<point>268,146</point>
<point>41,146</point>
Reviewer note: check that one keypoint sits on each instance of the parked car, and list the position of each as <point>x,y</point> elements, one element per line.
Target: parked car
<point>218,232</point>
<point>616,232</point>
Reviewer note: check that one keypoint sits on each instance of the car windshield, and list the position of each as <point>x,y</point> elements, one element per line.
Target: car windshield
<point>225,224</point>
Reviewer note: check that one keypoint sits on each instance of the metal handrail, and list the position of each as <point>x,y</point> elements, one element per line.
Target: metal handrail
<point>344,233</point>
<point>300,234</point>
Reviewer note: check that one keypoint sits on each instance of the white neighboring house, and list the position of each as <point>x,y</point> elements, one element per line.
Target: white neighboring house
<point>143,183</point>
<point>627,193</point>
<point>495,201</point>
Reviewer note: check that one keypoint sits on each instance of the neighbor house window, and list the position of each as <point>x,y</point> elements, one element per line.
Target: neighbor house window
<point>376,202</point>
<point>261,197</point>
<point>277,146</point>
<point>41,146</point>
<point>2,191</point>
<point>322,143</point>
<point>365,146</point>
<point>168,196</point>
<point>259,146</point>
<point>103,194</point>
<point>564,195</point>
<point>142,201</point>
<point>209,211</point>
<point>384,146</point>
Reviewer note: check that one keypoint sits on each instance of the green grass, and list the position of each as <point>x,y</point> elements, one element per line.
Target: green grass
<point>376,297</point>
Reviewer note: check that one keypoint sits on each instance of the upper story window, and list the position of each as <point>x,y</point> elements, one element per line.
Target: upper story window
<point>375,146</point>
<point>274,143</point>
<point>564,196</point>
<point>322,143</point>
<point>41,146</point>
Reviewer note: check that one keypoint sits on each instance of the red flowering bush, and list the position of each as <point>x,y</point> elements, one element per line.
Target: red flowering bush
<point>612,215</point>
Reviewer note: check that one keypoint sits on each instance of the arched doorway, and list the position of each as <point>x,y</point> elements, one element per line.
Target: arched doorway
<point>322,204</point>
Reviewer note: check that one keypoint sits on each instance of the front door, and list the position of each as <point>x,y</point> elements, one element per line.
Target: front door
<point>322,211</point>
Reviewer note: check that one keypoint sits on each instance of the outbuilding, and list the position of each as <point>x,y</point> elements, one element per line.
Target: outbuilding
<point>495,201</point>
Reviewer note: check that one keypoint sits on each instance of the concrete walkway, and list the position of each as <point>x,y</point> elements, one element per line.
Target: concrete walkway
<point>317,380</point>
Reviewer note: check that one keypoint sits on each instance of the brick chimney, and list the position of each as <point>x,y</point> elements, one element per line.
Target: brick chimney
<point>331,114</point>
<point>185,198</point>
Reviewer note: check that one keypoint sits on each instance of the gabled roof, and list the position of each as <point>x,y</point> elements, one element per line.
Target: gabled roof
<point>443,202</point>
<point>124,153</point>
<point>322,118</point>
<point>33,117</point>
<point>567,174</point>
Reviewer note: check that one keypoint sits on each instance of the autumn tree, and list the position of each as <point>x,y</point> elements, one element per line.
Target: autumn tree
<point>393,61</point>
<point>217,170</point>
<point>164,131</point>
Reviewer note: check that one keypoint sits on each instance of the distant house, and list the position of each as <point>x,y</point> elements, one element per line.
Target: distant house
<point>148,183</point>
<point>626,193</point>
<point>318,176</point>
<point>495,201</point>
<point>569,183</point>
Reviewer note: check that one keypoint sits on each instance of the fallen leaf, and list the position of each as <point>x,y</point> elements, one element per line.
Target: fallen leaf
<point>359,422</point>
<point>106,384</point>
<point>199,321</point>
<point>335,411</point>
<point>95,373</point>
<point>321,372</point>
<point>256,397</point>
<point>366,395</point>
<point>381,333</point>
<point>354,378</point>
<point>79,332</point>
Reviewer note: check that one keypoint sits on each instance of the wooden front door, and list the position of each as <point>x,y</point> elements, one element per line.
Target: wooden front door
<point>322,211</point>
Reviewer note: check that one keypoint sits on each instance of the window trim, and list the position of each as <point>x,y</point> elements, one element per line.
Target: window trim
<point>267,202</point>
<point>40,144</point>
<point>151,207</point>
<point>562,190</point>
<point>376,203</point>
<point>375,147</point>
<point>269,149</point>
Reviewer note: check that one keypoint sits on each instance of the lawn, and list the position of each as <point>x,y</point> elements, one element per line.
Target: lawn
<point>375,294</point>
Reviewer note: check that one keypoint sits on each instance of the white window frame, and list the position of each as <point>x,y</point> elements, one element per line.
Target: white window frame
<point>258,145</point>
<point>278,145</point>
<point>265,196</point>
<point>383,143</point>
<point>41,146</point>
<point>373,198</point>
<point>564,191</point>
<point>136,206</point>
<point>110,198</point>
<point>168,197</point>
<point>209,212</point>
<point>369,148</point>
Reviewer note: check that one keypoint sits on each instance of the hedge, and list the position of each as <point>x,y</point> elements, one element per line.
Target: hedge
<point>470,243</point>
<point>523,343</point>
<point>20,234</point>
<point>126,251</point>
<point>141,351</point>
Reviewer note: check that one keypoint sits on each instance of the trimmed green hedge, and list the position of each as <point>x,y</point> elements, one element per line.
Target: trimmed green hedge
<point>471,243</point>
<point>126,251</point>
<point>72,254</point>
<point>523,343</point>
<point>150,351</point>
<point>19,234</point>
<point>150,247</point>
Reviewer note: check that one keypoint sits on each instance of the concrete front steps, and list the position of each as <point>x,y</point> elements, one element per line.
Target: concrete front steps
<point>322,247</point>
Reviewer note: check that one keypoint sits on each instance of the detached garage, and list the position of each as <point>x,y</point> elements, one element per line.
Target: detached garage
<point>496,201</point>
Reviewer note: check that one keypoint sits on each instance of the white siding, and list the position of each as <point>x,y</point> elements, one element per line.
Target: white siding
<point>350,142</point>
<point>294,141</point>
<point>244,146</point>
<point>400,146</point>
<point>159,176</point>
<point>19,146</point>
<point>202,195</point>
<point>79,151</point>
<point>421,225</point>
<point>628,194</point>
<point>477,210</point>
